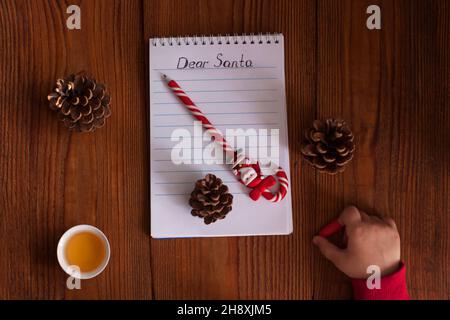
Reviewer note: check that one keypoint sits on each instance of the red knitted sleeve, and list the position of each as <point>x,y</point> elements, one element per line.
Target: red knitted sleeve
<point>392,287</point>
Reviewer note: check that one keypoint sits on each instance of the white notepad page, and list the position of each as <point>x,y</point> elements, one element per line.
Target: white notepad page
<point>232,95</point>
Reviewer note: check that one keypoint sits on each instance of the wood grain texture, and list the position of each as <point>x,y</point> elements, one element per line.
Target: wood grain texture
<point>391,85</point>
<point>52,179</point>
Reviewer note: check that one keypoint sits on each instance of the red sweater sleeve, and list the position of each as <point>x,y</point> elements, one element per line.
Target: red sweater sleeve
<point>392,287</point>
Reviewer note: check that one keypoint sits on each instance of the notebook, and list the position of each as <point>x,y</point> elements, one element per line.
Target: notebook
<point>239,84</point>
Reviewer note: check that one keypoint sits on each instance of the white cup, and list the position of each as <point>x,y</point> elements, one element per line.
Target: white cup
<point>61,252</point>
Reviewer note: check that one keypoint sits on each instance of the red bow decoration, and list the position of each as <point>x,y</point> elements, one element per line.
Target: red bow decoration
<point>266,183</point>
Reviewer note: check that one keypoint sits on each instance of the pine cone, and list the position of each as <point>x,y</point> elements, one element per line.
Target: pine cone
<point>82,103</point>
<point>328,145</point>
<point>210,199</point>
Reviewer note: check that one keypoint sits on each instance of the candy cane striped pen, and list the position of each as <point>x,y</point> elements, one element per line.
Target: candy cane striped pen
<point>198,114</point>
<point>230,152</point>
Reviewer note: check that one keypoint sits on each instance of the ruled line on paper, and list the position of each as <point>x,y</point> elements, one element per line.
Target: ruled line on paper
<point>170,160</point>
<point>215,102</point>
<point>219,125</point>
<point>252,135</point>
<point>222,90</point>
<point>187,194</point>
<point>190,182</point>
<point>218,68</point>
<point>220,79</point>
<point>216,113</point>
<point>191,171</point>
<point>193,148</point>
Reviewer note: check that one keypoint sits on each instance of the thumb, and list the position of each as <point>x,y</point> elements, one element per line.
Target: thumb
<point>329,250</point>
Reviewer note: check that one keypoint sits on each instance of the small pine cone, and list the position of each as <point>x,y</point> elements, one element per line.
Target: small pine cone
<point>210,199</point>
<point>81,103</point>
<point>328,145</point>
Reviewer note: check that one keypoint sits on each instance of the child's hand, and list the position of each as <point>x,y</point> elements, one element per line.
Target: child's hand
<point>370,241</point>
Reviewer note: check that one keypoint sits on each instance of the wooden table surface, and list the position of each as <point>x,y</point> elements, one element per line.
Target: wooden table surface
<point>391,85</point>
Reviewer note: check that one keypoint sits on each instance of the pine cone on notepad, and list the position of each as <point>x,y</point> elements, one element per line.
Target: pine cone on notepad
<point>210,199</point>
<point>328,145</point>
<point>81,103</point>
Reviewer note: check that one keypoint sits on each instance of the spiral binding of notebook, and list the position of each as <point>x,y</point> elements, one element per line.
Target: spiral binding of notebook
<point>260,38</point>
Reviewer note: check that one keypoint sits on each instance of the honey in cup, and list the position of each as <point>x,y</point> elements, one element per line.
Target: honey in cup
<point>86,250</point>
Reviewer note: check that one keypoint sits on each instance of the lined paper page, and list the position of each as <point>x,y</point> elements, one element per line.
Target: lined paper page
<point>231,97</point>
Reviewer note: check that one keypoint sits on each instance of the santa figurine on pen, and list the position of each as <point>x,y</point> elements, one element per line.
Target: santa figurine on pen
<point>250,175</point>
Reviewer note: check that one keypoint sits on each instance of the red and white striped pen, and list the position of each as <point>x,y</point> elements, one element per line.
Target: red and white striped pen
<point>248,172</point>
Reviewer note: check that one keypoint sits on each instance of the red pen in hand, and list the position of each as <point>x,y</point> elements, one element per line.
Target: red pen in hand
<point>331,228</point>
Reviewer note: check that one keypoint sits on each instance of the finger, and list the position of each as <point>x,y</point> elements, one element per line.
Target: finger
<point>329,250</point>
<point>365,217</point>
<point>376,216</point>
<point>390,222</point>
<point>350,216</point>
